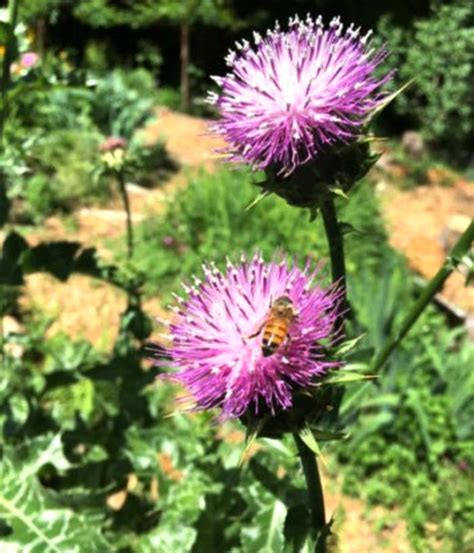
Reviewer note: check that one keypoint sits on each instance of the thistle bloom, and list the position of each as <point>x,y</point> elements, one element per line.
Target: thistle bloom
<point>296,92</point>
<point>29,59</point>
<point>217,336</point>
<point>112,143</point>
<point>113,152</point>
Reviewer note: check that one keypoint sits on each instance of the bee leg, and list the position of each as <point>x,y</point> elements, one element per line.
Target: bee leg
<point>256,333</point>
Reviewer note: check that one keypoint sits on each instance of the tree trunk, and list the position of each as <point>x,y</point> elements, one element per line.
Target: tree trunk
<point>184,57</point>
<point>40,39</point>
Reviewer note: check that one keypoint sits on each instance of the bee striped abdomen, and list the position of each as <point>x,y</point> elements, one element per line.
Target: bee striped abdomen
<point>274,334</point>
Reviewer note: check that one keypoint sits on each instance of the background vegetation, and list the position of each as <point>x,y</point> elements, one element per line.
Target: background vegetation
<point>90,459</point>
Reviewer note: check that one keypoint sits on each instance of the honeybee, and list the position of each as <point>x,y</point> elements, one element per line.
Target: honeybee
<point>276,325</point>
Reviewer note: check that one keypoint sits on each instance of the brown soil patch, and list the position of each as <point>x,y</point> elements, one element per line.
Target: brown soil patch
<point>358,528</point>
<point>82,307</point>
<point>188,139</point>
<point>424,223</point>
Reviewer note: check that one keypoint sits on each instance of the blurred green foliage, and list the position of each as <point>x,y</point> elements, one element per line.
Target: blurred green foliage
<point>54,133</point>
<point>62,164</point>
<point>122,101</point>
<point>209,221</point>
<point>437,53</point>
<point>412,440</point>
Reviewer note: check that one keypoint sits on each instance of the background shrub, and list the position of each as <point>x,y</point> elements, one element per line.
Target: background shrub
<point>438,54</point>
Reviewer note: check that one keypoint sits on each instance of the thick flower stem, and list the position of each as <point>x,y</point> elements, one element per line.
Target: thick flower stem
<point>460,249</point>
<point>126,204</point>
<point>315,493</point>
<point>336,251</point>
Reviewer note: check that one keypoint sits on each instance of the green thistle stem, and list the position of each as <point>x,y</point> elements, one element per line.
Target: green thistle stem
<point>126,204</point>
<point>460,249</point>
<point>336,250</point>
<point>315,493</point>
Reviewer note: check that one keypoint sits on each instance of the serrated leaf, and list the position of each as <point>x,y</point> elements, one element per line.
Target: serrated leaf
<point>56,258</point>
<point>19,408</point>
<point>266,535</point>
<point>165,539</point>
<point>38,521</point>
<point>413,400</point>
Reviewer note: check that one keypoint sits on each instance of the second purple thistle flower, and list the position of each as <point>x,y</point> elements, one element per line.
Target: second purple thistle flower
<point>249,337</point>
<point>297,92</point>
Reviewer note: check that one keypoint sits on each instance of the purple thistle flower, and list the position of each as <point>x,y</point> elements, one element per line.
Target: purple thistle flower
<point>112,143</point>
<point>29,59</point>
<point>296,92</point>
<point>217,336</point>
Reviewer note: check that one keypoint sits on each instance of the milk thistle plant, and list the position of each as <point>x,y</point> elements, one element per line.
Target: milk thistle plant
<point>264,341</point>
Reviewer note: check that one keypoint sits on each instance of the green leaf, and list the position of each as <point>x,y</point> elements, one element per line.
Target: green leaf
<point>328,435</point>
<point>258,199</point>
<point>381,400</point>
<point>346,228</point>
<point>370,424</point>
<point>266,535</point>
<point>338,191</point>
<point>251,434</point>
<point>348,378</point>
<point>389,99</point>
<point>297,526</point>
<point>35,516</point>
<point>19,408</point>
<point>56,258</point>
<point>10,270</point>
<point>414,401</point>
<point>348,346</point>
<point>306,434</point>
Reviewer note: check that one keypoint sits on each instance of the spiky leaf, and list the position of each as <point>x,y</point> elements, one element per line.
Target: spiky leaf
<point>36,520</point>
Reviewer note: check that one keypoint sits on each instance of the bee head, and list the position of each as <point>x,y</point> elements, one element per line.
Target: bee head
<point>284,307</point>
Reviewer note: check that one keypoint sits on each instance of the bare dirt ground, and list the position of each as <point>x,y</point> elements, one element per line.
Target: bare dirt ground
<point>83,307</point>
<point>423,223</point>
